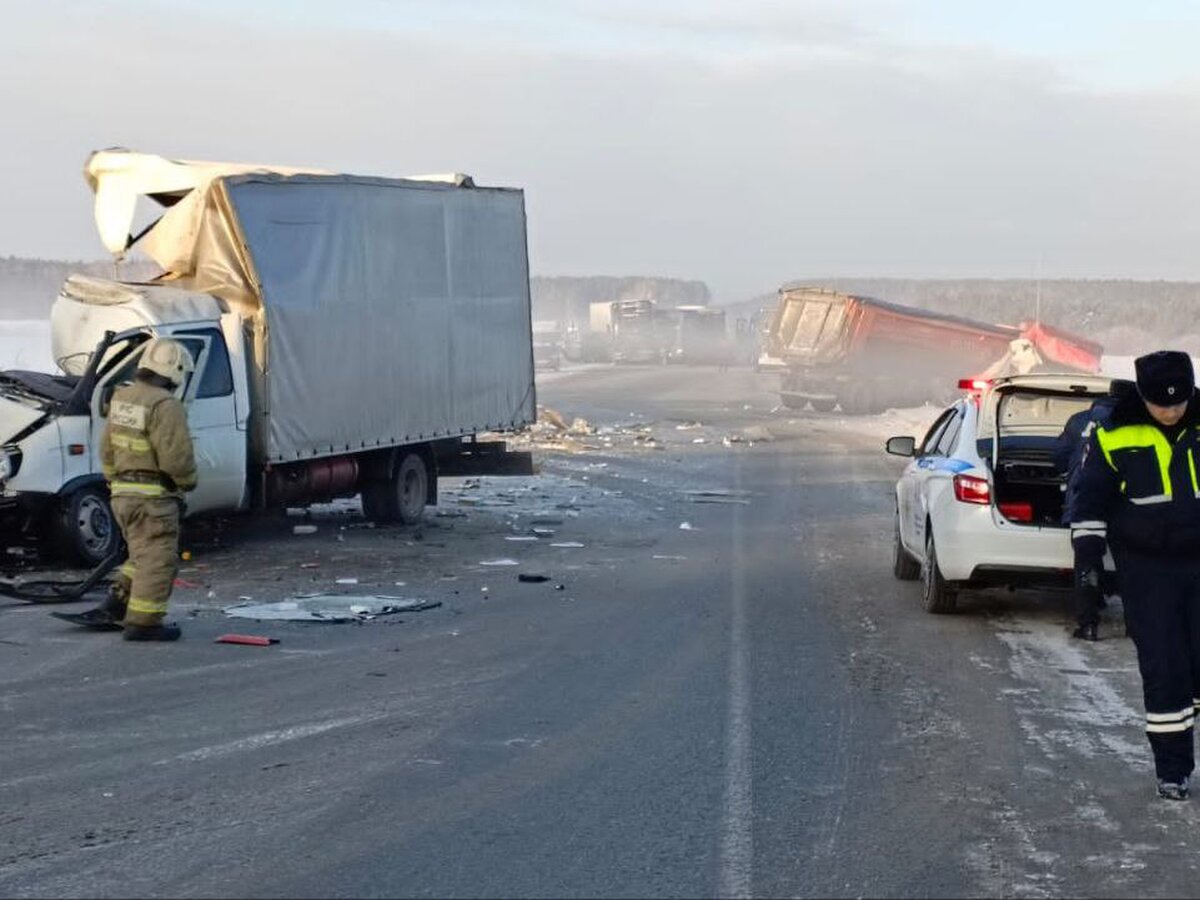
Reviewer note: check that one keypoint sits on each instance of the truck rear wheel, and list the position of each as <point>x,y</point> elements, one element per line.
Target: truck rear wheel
<point>823,404</point>
<point>411,488</point>
<point>87,531</point>
<point>858,399</point>
<point>402,498</point>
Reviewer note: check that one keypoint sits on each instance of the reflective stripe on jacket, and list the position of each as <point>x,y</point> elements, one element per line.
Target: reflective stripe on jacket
<point>1139,488</point>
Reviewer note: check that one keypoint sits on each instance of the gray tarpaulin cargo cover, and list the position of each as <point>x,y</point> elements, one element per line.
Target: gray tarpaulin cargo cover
<point>383,311</point>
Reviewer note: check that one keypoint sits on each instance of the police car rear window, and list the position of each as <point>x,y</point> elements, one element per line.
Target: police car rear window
<point>1039,413</point>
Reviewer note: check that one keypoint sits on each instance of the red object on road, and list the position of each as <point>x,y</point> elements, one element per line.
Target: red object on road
<point>253,640</point>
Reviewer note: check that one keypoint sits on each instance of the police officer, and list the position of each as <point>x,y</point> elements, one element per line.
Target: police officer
<point>1139,487</point>
<point>147,456</point>
<point>1090,586</point>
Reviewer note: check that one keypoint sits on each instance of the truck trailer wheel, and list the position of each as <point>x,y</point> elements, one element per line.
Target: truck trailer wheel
<point>823,404</point>
<point>87,531</point>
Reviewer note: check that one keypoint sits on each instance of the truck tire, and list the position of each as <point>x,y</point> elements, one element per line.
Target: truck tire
<point>904,567</point>
<point>87,530</point>
<point>376,497</point>
<point>937,595</point>
<point>858,399</point>
<point>824,404</point>
<point>410,486</point>
<point>401,498</point>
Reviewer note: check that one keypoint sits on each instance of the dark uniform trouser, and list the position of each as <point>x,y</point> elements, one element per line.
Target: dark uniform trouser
<point>150,526</point>
<point>1162,611</point>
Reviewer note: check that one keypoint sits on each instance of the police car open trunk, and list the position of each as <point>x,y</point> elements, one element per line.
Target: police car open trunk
<point>1020,423</point>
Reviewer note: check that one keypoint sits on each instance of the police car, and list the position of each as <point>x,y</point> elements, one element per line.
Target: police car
<point>980,503</point>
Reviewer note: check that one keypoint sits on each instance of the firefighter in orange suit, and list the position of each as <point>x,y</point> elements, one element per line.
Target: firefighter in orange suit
<point>147,456</point>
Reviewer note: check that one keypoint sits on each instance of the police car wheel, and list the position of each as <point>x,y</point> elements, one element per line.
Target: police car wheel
<point>936,594</point>
<point>904,566</point>
<point>87,530</point>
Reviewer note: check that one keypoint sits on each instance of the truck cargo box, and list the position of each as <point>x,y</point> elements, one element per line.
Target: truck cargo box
<point>395,311</point>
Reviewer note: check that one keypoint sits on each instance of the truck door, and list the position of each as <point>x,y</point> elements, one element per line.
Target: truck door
<point>213,420</point>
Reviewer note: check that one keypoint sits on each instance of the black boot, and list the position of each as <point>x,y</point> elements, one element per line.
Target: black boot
<point>1173,790</point>
<point>105,617</point>
<point>1086,632</point>
<point>151,633</point>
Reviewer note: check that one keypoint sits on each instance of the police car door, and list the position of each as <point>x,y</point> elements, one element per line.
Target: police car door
<point>928,466</point>
<point>219,443</point>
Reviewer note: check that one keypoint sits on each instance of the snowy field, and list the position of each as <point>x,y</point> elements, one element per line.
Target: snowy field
<point>25,344</point>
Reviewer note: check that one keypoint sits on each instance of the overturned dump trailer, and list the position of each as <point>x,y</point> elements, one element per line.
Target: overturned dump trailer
<point>867,354</point>
<point>352,335</point>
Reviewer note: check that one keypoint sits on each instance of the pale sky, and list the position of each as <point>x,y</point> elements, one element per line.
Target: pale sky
<point>742,142</point>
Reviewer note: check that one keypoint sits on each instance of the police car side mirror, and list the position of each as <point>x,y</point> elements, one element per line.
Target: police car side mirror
<point>902,446</point>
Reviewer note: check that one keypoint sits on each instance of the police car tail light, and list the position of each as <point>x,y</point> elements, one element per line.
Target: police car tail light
<point>974,385</point>
<point>969,489</point>
<point>1017,511</point>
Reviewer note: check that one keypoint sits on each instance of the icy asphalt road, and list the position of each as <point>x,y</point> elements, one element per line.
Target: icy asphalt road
<point>748,707</point>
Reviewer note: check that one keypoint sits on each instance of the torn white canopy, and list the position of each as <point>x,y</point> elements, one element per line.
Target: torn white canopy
<point>118,177</point>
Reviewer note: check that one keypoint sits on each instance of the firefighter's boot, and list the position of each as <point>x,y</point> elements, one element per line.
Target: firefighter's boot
<point>151,632</point>
<point>108,615</point>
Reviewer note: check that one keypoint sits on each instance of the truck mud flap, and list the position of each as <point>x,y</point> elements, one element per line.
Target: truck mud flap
<point>484,458</point>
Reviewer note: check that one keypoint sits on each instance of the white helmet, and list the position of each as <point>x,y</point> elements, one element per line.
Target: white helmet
<point>167,358</point>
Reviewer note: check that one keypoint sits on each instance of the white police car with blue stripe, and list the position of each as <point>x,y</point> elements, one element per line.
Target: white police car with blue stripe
<point>980,503</point>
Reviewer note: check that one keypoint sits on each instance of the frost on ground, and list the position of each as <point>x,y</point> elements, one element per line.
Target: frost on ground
<point>1067,704</point>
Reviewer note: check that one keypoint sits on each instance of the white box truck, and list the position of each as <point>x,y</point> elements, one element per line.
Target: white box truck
<point>352,335</point>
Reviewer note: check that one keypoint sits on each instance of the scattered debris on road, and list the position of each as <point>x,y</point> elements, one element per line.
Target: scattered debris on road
<point>329,608</point>
<point>250,640</point>
<point>499,562</point>
<point>528,578</point>
<point>709,496</point>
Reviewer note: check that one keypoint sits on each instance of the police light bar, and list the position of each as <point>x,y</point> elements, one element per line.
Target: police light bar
<point>973,384</point>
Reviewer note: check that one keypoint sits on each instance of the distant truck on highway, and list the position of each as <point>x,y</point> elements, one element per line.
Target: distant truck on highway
<point>697,334</point>
<point>868,355</point>
<point>547,344</point>
<point>351,336</point>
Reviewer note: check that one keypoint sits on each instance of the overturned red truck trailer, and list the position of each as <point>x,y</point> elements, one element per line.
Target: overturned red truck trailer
<point>868,355</point>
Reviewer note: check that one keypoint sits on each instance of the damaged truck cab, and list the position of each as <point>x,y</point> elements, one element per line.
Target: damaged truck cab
<point>351,336</point>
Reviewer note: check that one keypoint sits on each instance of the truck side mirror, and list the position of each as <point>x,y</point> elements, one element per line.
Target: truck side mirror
<point>902,446</point>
